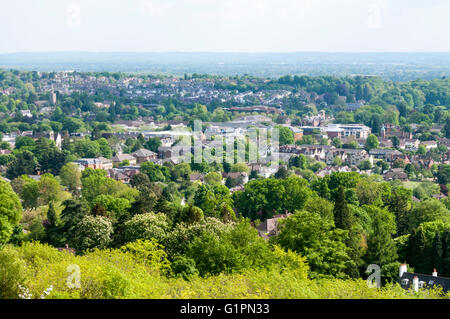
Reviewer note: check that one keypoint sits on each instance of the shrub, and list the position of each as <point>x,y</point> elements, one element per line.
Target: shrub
<point>12,270</point>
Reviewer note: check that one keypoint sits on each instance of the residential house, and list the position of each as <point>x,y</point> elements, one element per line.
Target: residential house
<point>119,176</point>
<point>269,227</point>
<point>395,173</point>
<point>315,151</point>
<point>423,161</point>
<point>5,152</point>
<point>350,156</point>
<point>361,142</point>
<point>409,144</point>
<point>385,154</point>
<point>332,169</point>
<point>429,144</point>
<point>384,143</point>
<point>417,281</point>
<point>445,142</point>
<point>164,152</point>
<point>241,177</point>
<point>298,133</point>
<point>264,171</point>
<point>119,158</point>
<point>196,177</point>
<point>106,163</point>
<point>93,163</point>
<point>144,155</point>
<point>57,138</point>
<point>42,103</point>
<point>390,130</point>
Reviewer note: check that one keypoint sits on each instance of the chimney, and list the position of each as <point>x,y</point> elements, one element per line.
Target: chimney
<point>416,283</point>
<point>403,269</point>
<point>434,272</point>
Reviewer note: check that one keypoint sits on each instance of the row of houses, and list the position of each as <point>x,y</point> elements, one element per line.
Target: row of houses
<point>136,158</point>
<point>242,176</point>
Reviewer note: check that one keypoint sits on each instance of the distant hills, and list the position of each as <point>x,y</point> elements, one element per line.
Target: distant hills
<point>390,66</point>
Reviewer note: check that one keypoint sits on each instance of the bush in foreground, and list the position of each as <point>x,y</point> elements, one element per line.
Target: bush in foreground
<point>139,271</point>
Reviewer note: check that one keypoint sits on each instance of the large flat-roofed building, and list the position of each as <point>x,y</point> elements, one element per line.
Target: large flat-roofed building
<point>359,131</point>
<point>344,130</point>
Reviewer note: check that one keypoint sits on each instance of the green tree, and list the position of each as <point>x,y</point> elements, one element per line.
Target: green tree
<point>213,178</point>
<point>153,144</point>
<point>213,199</point>
<point>94,183</point>
<point>24,163</point>
<point>437,252</point>
<point>70,176</point>
<point>421,150</point>
<point>24,142</point>
<point>286,136</point>
<point>443,174</point>
<point>321,206</point>
<point>49,190</point>
<point>400,203</point>
<point>72,124</point>
<point>381,249</point>
<point>336,142</point>
<point>115,206</point>
<point>192,214</point>
<point>395,141</point>
<point>298,161</point>
<point>156,173</point>
<point>240,168</point>
<point>316,239</point>
<point>446,252</point>
<point>447,127</point>
<point>371,142</point>
<point>342,214</point>
<point>10,211</point>
<point>91,232</point>
<point>146,227</point>
<point>419,254</point>
<point>71,215</point>
<point>427,211</point>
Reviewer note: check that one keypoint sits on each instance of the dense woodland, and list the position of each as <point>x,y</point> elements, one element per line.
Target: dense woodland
<point>138,240</point>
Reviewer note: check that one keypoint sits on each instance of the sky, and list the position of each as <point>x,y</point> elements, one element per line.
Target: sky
<point>225,25</point>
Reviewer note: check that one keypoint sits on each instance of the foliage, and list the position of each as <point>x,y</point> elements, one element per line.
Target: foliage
<point>146,227</point>
<point>10,211</point>
<point>315,238</point>
<point>91,232</point>
<point>115,273</point>
<point>426,211</point>
<point>12,273</point>
<point>264,198</point>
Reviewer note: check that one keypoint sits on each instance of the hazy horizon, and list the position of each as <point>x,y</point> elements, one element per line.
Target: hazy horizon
<point>389,65</point>
<point>229,52</point>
